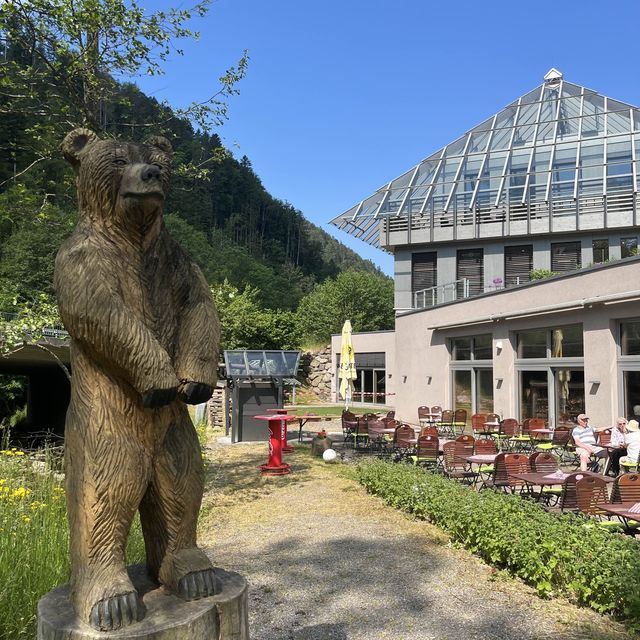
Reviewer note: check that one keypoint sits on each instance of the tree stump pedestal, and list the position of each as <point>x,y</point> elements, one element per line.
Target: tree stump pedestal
<point>220,617</point>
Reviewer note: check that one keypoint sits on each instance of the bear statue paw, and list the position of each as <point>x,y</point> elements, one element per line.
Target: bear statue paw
<point>158,397</point>
<point>116,612</point>
<point>198,584</point>
<point>195,392</point>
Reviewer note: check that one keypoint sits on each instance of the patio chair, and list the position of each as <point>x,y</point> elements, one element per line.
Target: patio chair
<point>424,414</point>
<point>626,488</point>
<point>427,452</point>
<point>429,430</point>
<point>459,421</point>
<point>349,422</point>
<point>477,423</point>
<point>603,437</point>
<point>546,462</point>
<point>509,428</point>
<point>568,501</point>
<point>403,441</point>
<point>522,441</point>
<point>591,491</point>
<point>465,444</point>
<point>445,426</point>
<point>485,446</point>
<point>436,410</point>
<point>361,434</point>
<point>454,466</point>
<point>499,479</point>
<point>558,445</point>
<point>391,414</point>
<point>377,438</point>
<point>516,463</point>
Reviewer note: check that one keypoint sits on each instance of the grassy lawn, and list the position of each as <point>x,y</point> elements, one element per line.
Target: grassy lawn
<point>335,411</point>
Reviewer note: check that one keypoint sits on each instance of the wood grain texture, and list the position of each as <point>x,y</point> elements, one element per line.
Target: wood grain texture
<point>145,338</point>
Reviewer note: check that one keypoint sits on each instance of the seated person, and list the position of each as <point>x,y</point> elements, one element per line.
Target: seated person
<point>618,432</point>
<point>585,438</point>
<point>632,440</point>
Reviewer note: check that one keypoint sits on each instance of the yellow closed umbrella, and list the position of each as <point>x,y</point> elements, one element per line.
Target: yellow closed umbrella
<point>347,373</point>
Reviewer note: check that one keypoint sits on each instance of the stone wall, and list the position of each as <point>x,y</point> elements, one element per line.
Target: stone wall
<point>316,370</point>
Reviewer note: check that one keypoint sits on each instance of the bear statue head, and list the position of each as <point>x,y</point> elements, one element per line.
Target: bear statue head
<point>119,183</point>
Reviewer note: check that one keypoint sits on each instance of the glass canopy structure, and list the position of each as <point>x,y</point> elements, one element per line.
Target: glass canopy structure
<point>561,158</point>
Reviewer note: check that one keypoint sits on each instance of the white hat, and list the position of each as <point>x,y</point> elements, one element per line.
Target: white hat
<point>633,425</point>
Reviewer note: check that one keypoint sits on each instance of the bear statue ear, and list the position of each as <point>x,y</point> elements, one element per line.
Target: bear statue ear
<point>75,142</point>
<point>161,143</point>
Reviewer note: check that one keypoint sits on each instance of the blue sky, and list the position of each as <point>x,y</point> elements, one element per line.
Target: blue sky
<point>342,96</point>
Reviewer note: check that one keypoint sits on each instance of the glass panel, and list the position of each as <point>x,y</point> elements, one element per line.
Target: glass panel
<point>569,394</point>
<point>462,390</point>
<point>367,386</point>
<point>357,387</point>
<point>532,344</point>
<point>600,251</point>
<point>380,384</point>
<point>484,391</point>
<point>628,247</point>
<point>461,349</point>
<point>566,342</point>
<point>631,393</point>
<point>630,338</point>
<point>534,395</point>
<point>618,123</point>
<point>482,347</point>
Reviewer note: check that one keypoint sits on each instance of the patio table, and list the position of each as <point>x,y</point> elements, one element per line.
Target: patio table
<point>542,433</point>
<point>308,417</point>
<point>546,479</point>
<point>490,429</point>
<point>622,510</point>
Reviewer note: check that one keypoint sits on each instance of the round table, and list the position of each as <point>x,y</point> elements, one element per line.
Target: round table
<point>277,431</point>
<point>286,447</point>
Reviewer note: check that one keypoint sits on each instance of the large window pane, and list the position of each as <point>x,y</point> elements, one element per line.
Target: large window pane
<point>628,247</point>
<point>534,395</point>
<point>631,392</point>
<point>461,349</point>
<point>566,342</point>
<point>482,347</point>
<point>532,344</point>
<point>600,251</point>
<point>380,382</point>
<point>462,390</point>
<point>569,394</point>
<point>367,389</point>
<point>630,338</point>
<point>484,390</point>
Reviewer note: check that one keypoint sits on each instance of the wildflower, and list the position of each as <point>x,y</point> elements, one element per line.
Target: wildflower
<point>36,504</point>
<point>26,519</point>
<point>58,490</point>
<point>21,492</point>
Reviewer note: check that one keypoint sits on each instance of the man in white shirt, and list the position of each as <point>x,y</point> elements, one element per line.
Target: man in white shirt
<point>585,438</point>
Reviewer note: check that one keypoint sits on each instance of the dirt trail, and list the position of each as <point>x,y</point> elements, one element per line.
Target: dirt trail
<point>327,561</point>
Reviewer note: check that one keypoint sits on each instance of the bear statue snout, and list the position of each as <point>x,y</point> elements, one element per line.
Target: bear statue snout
<point>150,172</point>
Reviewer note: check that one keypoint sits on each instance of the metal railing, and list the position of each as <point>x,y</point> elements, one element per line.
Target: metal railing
<point>56,331</point>
<point>440,294</point>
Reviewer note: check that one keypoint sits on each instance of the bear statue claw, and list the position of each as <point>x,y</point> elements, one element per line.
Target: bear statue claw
<point>116,612</point>
<point>158,397</point>
<point>196,585</point>
<point>195,392</point>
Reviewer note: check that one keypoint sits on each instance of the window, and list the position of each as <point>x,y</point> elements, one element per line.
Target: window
<point>600,251</point>
<point>370,382</point>
<point>471,348</point>
<point>630,338</point>
<point>470,267</point>
<point>565,256</point>
<point>561,342</point>
<point>518,263</point>
<point>629,367</point>
<point>424,274</point>
<point>628,247</point>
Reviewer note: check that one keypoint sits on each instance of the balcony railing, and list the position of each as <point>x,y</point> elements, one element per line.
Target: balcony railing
<point>442,293</point>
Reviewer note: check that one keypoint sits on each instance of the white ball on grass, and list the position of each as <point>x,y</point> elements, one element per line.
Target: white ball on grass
<point>329,455</point>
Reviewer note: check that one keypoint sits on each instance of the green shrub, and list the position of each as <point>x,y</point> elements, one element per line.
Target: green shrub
<point>541,274</point>
<point>556,554</point>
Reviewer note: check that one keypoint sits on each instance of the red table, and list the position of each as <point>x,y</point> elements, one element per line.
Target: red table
<point>277,430</point>
<point>286,448</point>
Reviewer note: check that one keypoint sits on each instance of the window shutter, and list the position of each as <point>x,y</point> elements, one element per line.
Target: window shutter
<point>424,271</point>
<point>565,256</point>
<point>518,262</point>
<point>470,266</point>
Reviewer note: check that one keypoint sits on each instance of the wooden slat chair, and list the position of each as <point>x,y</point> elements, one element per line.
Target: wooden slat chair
<point>403,441</point>
<point>453,466</point>
<point>391,414</point>
<point>499,479</point>
<point>546,462</point>
<point>459,421</point>
<point>377,437</point>
<point>558,443</point>
<point>477,423</point>
<point>465,444</point>
<point>516,463</point>
<point>568,501</point>
<point>484,446</point>
<point>491,431</point>
<point>349,422</point>
<point>627,489</point>
<point>361,434</point>
<point>436,410</point>
<point>427,452</point>
<point>591,491</point>
<point>603,437</point>
<point>521,442</point>
<point>424,414</point>
<point>445,426</point>
<point>509,428</point>
<point>429,430</point>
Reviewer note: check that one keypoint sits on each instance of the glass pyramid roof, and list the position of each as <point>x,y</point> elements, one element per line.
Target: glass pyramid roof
<point>559,140</point>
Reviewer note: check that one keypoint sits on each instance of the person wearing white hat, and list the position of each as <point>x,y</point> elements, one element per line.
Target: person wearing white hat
<point>632,439</point>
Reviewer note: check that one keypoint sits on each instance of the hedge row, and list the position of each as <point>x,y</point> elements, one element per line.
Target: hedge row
<point>556,554</point>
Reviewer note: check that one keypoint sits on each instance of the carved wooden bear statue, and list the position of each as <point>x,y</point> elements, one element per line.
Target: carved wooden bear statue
<point>145,340</point>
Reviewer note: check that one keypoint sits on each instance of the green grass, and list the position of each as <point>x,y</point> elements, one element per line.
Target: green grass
<point>335,411</point>
<point>34,540</point>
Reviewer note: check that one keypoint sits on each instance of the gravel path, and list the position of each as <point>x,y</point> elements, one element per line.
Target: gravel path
<point>327,561</point>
